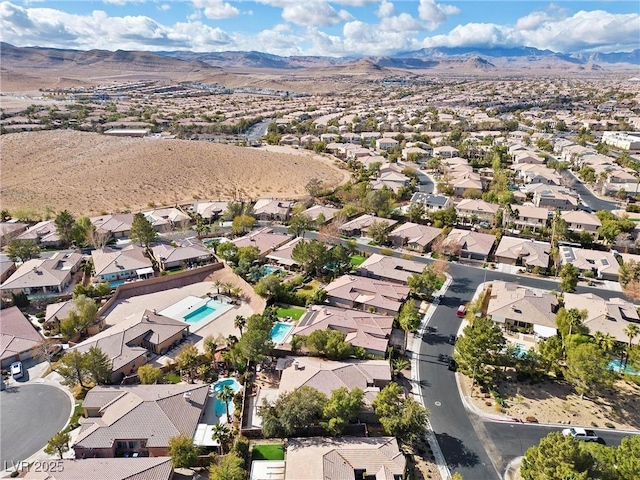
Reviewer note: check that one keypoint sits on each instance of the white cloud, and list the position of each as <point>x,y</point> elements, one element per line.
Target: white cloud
<point>385,9</point>
<point>435,14</point>
<point>584,31</point>
<point>164,7</point>
<point>216,9</point>
<point>122,2</point>
<point>309,13</point>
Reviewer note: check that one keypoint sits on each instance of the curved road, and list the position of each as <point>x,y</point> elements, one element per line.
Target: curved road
<point>476,447</point>
<point>31,415</point>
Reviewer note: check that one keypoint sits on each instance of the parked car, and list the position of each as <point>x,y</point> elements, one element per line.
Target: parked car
<point>461,311</point>
<point>453,366</point>
<point>452,339</point>
<point>581,434</point>
<point>16,370</point>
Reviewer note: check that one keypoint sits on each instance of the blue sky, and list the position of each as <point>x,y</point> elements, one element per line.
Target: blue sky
<point>320,27</point>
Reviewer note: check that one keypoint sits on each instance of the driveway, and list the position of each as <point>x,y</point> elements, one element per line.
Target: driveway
<point>31,415</point>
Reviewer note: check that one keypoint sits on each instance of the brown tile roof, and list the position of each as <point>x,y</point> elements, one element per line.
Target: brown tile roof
<point>337,458</point>
<point>389,268</point>
<point>514,302</point>
<point>415,233</point>
<point>369,292</point>
<point>152,412</point>
<point>17,334</point>
<point>109,260</point>
<point>142,468</point>
<point>43,272</point>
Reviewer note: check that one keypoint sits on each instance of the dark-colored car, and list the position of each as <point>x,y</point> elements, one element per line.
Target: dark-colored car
<point>453,366</point>
<point>452,339</point>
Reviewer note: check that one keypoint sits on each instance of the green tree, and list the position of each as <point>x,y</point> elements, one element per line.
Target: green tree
<point>240,323</point>
<point>210,346</point>
<point>409,318</point>
<point>256,342</point>
<point>312,256</point>
<point>569,278</point>
<point>269,286</point>
<point>82,230</point>
<point>222,434</point>
<point>400,416</point>
<point>226,395</point>
<point>627,457</point>
<point>59,444</point>
<point>21,251</point>
<point>294,410</point>
<point>426,282</point>
<point>477,349</point>
<point>142,231</point>
<point>98,365</point>
<point>329,343</point>
<point>587,369</point>
<point>299,224</point>
<point>632,331</point>
<point>234,209</point>
<point>569,322</point>
<point>72,369</point>
<point>551,352</point>
<point>629,272</point>
<point>341,409</point>
<point>557,457</point>
<point>150,375</point>
<point>65,224</point>
<point>378,231</point>
<point>314,187</point>
<point>415,212</point>
<point>242,224</point>
<point>228,467</point>
<point>188,360</point>
<point>183,453</point>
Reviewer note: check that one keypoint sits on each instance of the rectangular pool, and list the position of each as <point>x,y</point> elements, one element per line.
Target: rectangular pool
<point>199,314</point>
<point>280,332</point>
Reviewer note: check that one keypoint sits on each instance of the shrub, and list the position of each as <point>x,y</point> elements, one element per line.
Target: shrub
<point>532,419</point>
<point>609,425</point>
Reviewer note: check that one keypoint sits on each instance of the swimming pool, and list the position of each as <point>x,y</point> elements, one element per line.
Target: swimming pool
<point>219,407</point>
<point>280,332</point>
<point>618,367</point>
<point>196,311</point>
<point>269,269</point>
<point>199,314</point>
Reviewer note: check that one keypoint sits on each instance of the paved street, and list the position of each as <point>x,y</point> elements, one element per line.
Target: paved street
<point>30,415</point>
<point>587,197</point>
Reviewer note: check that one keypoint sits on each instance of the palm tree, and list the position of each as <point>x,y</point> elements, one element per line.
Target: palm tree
<point>240,322</point>
<point>605,341</point>
<point>631,331</point>
<point>225,395</point>
<point>226,287</point>
<point>222,434</point>
<point>217,284</point>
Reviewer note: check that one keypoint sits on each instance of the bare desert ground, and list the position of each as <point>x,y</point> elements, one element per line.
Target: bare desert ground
<point>90,173</point>
<point>557,403</point>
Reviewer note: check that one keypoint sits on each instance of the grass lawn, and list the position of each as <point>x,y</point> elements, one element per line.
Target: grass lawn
<point>290,311</point>
<point>308,290</point>
<point>356,260</point>
<point>274,451</point>
<point>173,377</point>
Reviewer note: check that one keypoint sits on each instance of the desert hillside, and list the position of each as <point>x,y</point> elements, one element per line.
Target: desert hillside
<point>91,173</point>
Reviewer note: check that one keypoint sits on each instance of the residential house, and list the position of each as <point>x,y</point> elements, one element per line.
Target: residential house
<point>622,140</point>
<point>468,244</point>
<point>392,269</point>
<point>326,376</point>
<point>129,344</point>
<point>264,239</point>
<point>415,154</point>
<point>465,181</point>
<point>115,225</point>
<point>138,419</point>
<point>414,236</point>
<point>386,143</point>
<point>370,331</point>
<point>10,230</point>
<point>528,216</point>
<point>516,307</point>
<point>445,151</point>
<point>167,219</point>
<point>7,268</point>
<point>579,221</point>
<point>391,180</point>
<point>359,225</point>
<point>44,234</point>
<point>18,337</point>
<point>210,210</point>
<point>282,255</point>
<point>602,264</point>
<point>51,275</point>
<point>56,312</point>
<point>605,315</point>
<point>363,293</point>
<point>289,139</point>
<point>553,197</point>
<point>528,157</point>
<point>315,212</point>
<point>270,209</point>
<point>474,211</point>
<point>353,138</point>
<point>339,458</point>
<point>523,252</point>
<point>178,257</point>
<point>111,265</point>
<point>140,468</point>
<point>432,202</point>
<point>532,173</point>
